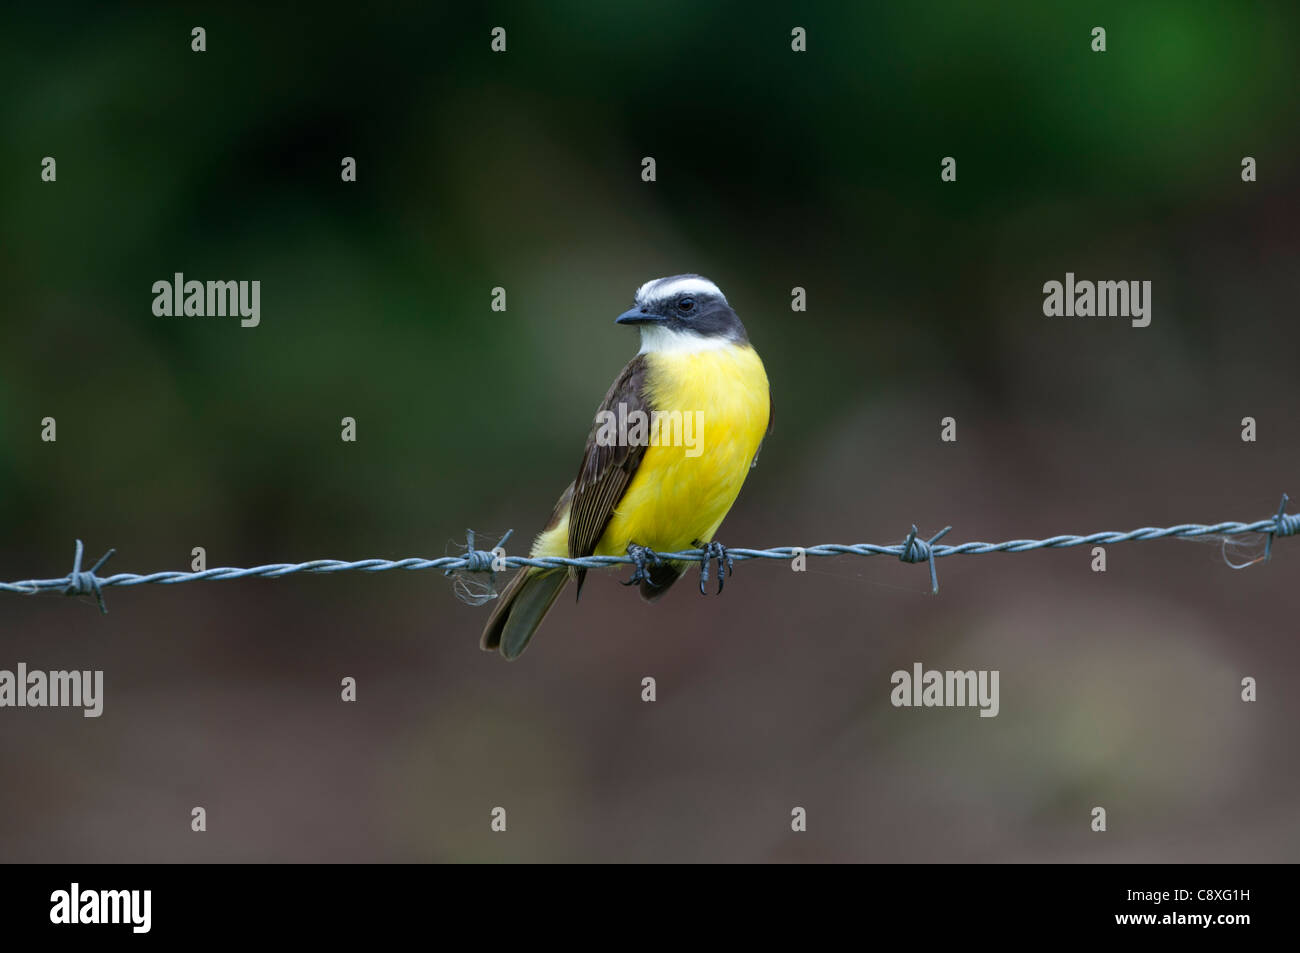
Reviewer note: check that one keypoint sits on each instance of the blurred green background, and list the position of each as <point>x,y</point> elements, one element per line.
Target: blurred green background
<point>522,170</point>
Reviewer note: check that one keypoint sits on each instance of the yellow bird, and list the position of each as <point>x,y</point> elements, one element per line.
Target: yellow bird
<point>667,455</point>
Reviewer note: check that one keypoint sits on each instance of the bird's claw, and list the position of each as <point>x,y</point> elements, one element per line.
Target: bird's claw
<point>642,558</point>
<point>717,553</point>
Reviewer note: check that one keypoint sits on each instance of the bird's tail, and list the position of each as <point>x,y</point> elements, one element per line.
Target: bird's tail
<point>520,609</point>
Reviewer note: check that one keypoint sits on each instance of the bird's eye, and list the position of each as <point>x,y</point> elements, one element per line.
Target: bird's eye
<point>686,305</point>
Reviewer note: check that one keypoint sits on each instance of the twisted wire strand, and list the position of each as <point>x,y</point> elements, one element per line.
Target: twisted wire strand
<point>912,549</point>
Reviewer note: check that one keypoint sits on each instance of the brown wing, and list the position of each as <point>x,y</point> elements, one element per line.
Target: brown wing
<point>606,470</point>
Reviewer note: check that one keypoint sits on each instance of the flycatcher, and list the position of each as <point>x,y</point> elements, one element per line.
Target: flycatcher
<point>673,441</point>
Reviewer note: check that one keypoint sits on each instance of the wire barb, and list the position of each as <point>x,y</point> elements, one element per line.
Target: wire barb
<point>472,592</point>
<point>1287,525</point>
<point>84,583</point>
<point>478,560</point>
<point>922,550</point>
<point>1283,524</point>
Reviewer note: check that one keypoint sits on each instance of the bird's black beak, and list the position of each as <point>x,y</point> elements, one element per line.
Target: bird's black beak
<point>637,316</point>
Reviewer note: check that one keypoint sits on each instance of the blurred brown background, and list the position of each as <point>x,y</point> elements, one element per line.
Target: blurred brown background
<point>775,169</point>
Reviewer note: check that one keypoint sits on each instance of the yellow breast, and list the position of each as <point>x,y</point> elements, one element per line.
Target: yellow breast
<point>713,408</point>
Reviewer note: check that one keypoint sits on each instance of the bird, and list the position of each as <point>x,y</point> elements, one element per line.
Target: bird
<point>650,489</point>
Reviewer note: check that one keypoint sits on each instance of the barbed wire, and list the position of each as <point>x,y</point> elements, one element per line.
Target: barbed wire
<point>912,549</point>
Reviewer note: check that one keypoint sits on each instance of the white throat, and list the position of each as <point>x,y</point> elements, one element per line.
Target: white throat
<point>660,340</point>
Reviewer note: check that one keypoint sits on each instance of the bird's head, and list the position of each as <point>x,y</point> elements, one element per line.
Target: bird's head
<point>683,313</point>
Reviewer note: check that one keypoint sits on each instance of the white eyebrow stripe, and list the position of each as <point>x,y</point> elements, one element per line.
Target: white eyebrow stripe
<point>662,289</point>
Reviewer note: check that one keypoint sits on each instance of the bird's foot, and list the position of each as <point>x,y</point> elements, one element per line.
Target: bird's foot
<point>643,558</point>
<point>718,554</point>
